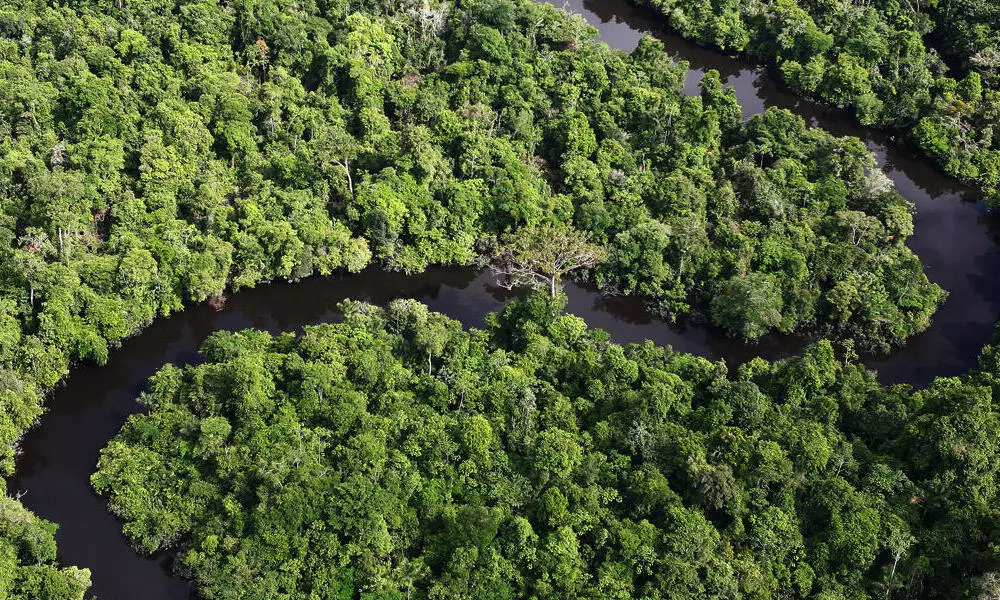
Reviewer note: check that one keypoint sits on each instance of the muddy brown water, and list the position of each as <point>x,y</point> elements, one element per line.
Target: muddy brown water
<point>955,238</point>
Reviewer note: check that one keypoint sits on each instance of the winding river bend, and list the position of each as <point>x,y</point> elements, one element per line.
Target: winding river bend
<point>954,237</point>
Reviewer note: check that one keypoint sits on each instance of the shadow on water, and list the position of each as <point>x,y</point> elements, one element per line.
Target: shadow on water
<point>954,237</point>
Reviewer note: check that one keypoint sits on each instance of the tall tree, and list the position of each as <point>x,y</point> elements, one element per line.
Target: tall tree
<point>540,256</point>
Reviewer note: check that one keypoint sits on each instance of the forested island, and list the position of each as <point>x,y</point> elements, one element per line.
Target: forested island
<point>395,455</point>
<point>929,70</point>
<point>160,153</point>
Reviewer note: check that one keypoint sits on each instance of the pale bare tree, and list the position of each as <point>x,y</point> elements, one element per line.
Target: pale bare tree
<point>539,256</point>
<point>900,540</point>
<point>860,224</point>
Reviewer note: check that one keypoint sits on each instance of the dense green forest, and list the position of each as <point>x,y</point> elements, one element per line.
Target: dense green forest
<point>156,153</point>
<point>394,455</point>
<point>27,559</point>
<point>928,69</point>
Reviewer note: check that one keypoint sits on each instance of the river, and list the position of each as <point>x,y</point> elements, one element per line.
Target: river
<point>954,238</point>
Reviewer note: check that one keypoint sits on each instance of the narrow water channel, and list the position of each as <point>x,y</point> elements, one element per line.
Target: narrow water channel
<point>954,238</point>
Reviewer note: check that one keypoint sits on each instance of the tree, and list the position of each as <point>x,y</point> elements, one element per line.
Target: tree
<point>540,256</point>
<point>749,306</point>
<point>30,258</point>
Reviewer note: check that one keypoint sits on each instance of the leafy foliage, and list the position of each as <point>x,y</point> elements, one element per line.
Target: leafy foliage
<point>395,455</point>
<point>875,58</point>
<point>538,257</point>
<point>27,557</point>
<point>158,153</point>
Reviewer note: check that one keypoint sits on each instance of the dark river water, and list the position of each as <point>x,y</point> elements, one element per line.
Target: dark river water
<point>954,238</point>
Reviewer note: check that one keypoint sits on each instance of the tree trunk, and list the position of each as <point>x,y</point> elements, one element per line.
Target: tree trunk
<point>350,182</point>
<point>552,288</point>
<point>892,575</point>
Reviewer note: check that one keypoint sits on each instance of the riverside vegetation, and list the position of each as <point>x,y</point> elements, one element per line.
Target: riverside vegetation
<point>394,455</point>
<point>927,69</point>
<point>156,153</point>
<point>28,568</point>
<point>159,153</point>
